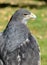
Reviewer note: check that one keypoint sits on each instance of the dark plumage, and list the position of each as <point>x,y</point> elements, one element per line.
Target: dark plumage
<point>17,45</point>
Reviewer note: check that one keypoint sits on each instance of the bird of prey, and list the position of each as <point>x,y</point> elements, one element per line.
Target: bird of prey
<point>17,45</point>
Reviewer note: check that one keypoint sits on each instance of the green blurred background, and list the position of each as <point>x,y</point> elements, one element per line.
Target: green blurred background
<point>38,27</point>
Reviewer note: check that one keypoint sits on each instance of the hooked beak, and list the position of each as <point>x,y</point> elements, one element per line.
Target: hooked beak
<point>33,16</point>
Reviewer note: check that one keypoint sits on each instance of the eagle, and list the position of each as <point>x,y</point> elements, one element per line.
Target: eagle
<point>17,44</point>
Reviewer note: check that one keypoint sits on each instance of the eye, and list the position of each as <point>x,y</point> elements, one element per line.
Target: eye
<point>25,14</point>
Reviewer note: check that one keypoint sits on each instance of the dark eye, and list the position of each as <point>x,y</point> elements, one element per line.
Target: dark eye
<point>25,14</point>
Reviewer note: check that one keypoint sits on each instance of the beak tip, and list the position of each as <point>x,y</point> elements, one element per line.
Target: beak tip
<point>35,16</point>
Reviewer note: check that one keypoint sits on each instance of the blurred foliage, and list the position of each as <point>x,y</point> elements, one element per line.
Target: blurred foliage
<point>19,1</point>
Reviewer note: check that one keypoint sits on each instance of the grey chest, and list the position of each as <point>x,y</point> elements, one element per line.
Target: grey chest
<point>16,36</point>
